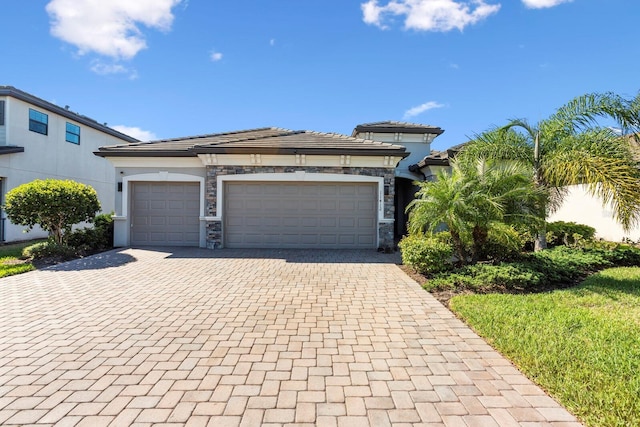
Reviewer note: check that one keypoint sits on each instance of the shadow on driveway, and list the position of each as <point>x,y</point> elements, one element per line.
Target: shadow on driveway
<point>113,258</point>
<point>322,256</point>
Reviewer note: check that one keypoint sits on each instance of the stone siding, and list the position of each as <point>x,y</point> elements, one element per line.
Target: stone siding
<point>214,228</point>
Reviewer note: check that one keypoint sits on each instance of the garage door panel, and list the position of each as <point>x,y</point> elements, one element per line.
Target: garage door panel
<point>327,239</point>
<point>165,213</point>
<point>327,222</point>
<point>304,215</point>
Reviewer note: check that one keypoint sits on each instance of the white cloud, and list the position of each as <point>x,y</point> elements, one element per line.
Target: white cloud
<point>541,4</point>
<point>136,132</point>
<point>429,15</point>
<point>272,42</point>
<point>110,28</point>
<point>419,109</point>
<point>104,69</point>
<point>215,56</point>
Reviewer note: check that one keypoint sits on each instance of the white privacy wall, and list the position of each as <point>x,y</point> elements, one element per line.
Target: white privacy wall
<point>583,208</point>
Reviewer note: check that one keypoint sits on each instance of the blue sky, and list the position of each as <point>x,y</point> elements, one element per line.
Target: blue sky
<point>171,68</point>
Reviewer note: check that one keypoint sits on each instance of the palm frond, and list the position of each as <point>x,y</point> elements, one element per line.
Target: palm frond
<point>584,111</point>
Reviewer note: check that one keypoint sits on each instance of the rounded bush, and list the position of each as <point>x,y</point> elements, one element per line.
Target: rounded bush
<point>426,254</point>
<point>48,249</point>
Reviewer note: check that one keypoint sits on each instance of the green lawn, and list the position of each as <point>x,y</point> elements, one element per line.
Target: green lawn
<point>582,344</point>
<point>9,260</point>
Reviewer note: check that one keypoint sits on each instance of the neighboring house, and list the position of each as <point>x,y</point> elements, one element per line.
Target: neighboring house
<point>259,188</point>
<point>40,140</point>
<point>417,139</point>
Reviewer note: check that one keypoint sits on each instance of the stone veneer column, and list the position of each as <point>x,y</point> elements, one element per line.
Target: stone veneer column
<point>214,228</point>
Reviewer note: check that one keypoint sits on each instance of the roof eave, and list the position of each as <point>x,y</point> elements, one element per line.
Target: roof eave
<point>10,149</point>
<point>145,153</point>
<point>396,129</point>
<point>307,151</point>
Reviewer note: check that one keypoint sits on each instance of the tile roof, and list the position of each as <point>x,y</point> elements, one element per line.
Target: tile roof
<point>393,126</point>
<point>436,158</point>
<point>256,141</point>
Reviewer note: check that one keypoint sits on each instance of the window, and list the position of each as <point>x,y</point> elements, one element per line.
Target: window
<point>1,113</point>
<point>38,122</point>
<point>73,133</point>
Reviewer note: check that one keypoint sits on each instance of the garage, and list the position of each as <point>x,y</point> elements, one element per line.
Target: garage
<point>300,215</point>
<point>165,213</point>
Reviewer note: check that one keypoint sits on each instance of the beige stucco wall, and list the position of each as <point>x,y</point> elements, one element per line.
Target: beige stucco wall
<point>582,208</point>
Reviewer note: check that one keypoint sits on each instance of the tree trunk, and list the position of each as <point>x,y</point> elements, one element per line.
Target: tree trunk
<point>479,235</point>
<point>540,241</point>
<point>459,247</point>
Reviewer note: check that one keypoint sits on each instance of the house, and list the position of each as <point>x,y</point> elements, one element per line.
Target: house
<point>40,140</point>
<point>262,188</point>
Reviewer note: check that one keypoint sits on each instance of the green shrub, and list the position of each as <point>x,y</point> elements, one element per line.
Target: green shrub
<point>487,277</point>
<point>619,254</point>
<point>97,238</point>
<point>568,233</point>
<point>426,254</point>
<point>553,268</point>
<point>53,204</point>
<point>503,244</point>
<point>49,249</point>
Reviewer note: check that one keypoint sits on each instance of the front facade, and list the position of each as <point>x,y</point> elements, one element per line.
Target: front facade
<point>417,139</point>
<point>260,188</point>
<point>40,140</point>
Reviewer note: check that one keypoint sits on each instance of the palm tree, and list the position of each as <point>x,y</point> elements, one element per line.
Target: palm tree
<point>473,200</point>
<point>571,147</point>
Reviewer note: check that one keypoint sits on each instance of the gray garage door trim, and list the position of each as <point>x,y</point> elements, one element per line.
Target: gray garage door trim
<point>293,214</point>
<point>165,213</point>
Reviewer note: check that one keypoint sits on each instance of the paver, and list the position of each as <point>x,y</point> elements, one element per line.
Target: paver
<point>196,337</point>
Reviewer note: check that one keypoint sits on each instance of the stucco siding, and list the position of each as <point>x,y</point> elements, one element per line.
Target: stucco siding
<point>579,206</point>
<point>51,156</point>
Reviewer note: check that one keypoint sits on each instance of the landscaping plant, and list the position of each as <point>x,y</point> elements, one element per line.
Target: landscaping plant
<point>55,205</point>
<point>572,147</point>
<point>476,203</point>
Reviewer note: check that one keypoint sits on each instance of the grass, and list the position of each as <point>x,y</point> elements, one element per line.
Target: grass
<point>582,344</point>
<point>10,262</point>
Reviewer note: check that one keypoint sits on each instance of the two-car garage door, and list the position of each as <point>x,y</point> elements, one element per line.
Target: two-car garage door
<point>300,215</point>
<point>259,214</point>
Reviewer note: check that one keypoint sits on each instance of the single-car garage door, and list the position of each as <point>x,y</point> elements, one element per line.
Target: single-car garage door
<point>300,215</point>
<point>165,213</point>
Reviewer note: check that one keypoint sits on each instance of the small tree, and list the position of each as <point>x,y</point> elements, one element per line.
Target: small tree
<point>55,205</point>
<point>473,201</point>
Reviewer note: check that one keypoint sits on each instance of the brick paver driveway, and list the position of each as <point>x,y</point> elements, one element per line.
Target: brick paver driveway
<point>247,338</point>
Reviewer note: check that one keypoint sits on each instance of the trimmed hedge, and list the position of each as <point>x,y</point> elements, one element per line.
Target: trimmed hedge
<point>553,268</point>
